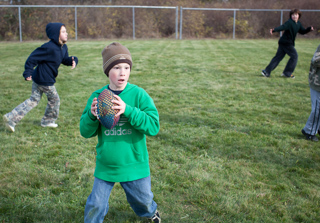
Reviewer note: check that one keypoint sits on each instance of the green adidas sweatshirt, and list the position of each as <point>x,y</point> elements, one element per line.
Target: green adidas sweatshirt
<point>122,151</point>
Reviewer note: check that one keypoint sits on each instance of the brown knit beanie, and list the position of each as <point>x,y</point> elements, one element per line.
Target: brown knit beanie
<point>113,54</point>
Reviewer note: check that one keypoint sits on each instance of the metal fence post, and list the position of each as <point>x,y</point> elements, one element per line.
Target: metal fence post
<point>181,9</point>
<point>234,24</point>
<point>75,23</point>
<point>133,25</point>
<point>177,12</point>
<point>20,30</point>
<point>281,21</point>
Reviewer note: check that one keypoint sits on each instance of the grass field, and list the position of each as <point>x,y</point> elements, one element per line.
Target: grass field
<point>230,147</point>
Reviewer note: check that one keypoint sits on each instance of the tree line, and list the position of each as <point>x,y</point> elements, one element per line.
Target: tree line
<point>96,23</point>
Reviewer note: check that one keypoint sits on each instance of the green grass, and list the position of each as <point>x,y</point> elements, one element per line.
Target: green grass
<point>230,147</point>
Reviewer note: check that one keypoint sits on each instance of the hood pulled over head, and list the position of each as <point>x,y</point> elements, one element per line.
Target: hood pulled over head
<point>53,31</point>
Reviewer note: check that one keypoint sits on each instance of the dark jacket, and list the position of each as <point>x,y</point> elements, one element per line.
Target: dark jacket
<point>290,28</point>
<point>48,58</point>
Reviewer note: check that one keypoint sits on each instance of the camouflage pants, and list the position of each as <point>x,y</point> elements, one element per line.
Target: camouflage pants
<point>52,110</point>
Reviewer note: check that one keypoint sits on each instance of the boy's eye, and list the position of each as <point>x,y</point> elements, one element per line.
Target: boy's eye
<point>118,67</point>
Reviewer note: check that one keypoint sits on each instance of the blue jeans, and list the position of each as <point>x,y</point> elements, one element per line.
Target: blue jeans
<point>138,194</point>
<point>313,123</point>
<point>281,52</point>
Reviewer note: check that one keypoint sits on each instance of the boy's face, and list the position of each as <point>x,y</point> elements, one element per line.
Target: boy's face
<point>119,76</point>
<point>295,17</point>
<point>63,34</point>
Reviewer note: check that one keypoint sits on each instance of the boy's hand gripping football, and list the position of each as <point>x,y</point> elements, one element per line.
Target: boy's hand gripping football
<point>94,107</point>
<point>121,106</point>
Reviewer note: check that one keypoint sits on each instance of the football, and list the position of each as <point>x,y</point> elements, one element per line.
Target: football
<point>105,112</point>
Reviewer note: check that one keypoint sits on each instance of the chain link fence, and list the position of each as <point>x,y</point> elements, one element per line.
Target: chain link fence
<point>27,22</point>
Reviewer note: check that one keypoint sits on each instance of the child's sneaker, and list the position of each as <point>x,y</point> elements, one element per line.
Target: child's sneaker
<point>283,75</point>
<point>156,218</point>
<point>309,137</point>
<point>264,73</point>
<point>52,125</point>
<point>9,124</point>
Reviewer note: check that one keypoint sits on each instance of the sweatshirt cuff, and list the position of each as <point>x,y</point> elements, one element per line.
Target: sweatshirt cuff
<point>76,59</point>
<point>91,116</point>
<point>127,111</point>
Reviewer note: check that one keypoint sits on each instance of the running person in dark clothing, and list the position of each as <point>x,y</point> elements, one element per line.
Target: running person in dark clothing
<point>286,44</point>
<point>41,68</point>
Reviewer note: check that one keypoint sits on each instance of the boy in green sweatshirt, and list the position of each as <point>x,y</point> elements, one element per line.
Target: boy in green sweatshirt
<point>122,154</point>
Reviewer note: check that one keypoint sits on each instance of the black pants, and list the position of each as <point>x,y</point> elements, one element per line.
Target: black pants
<point>282,51</point>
